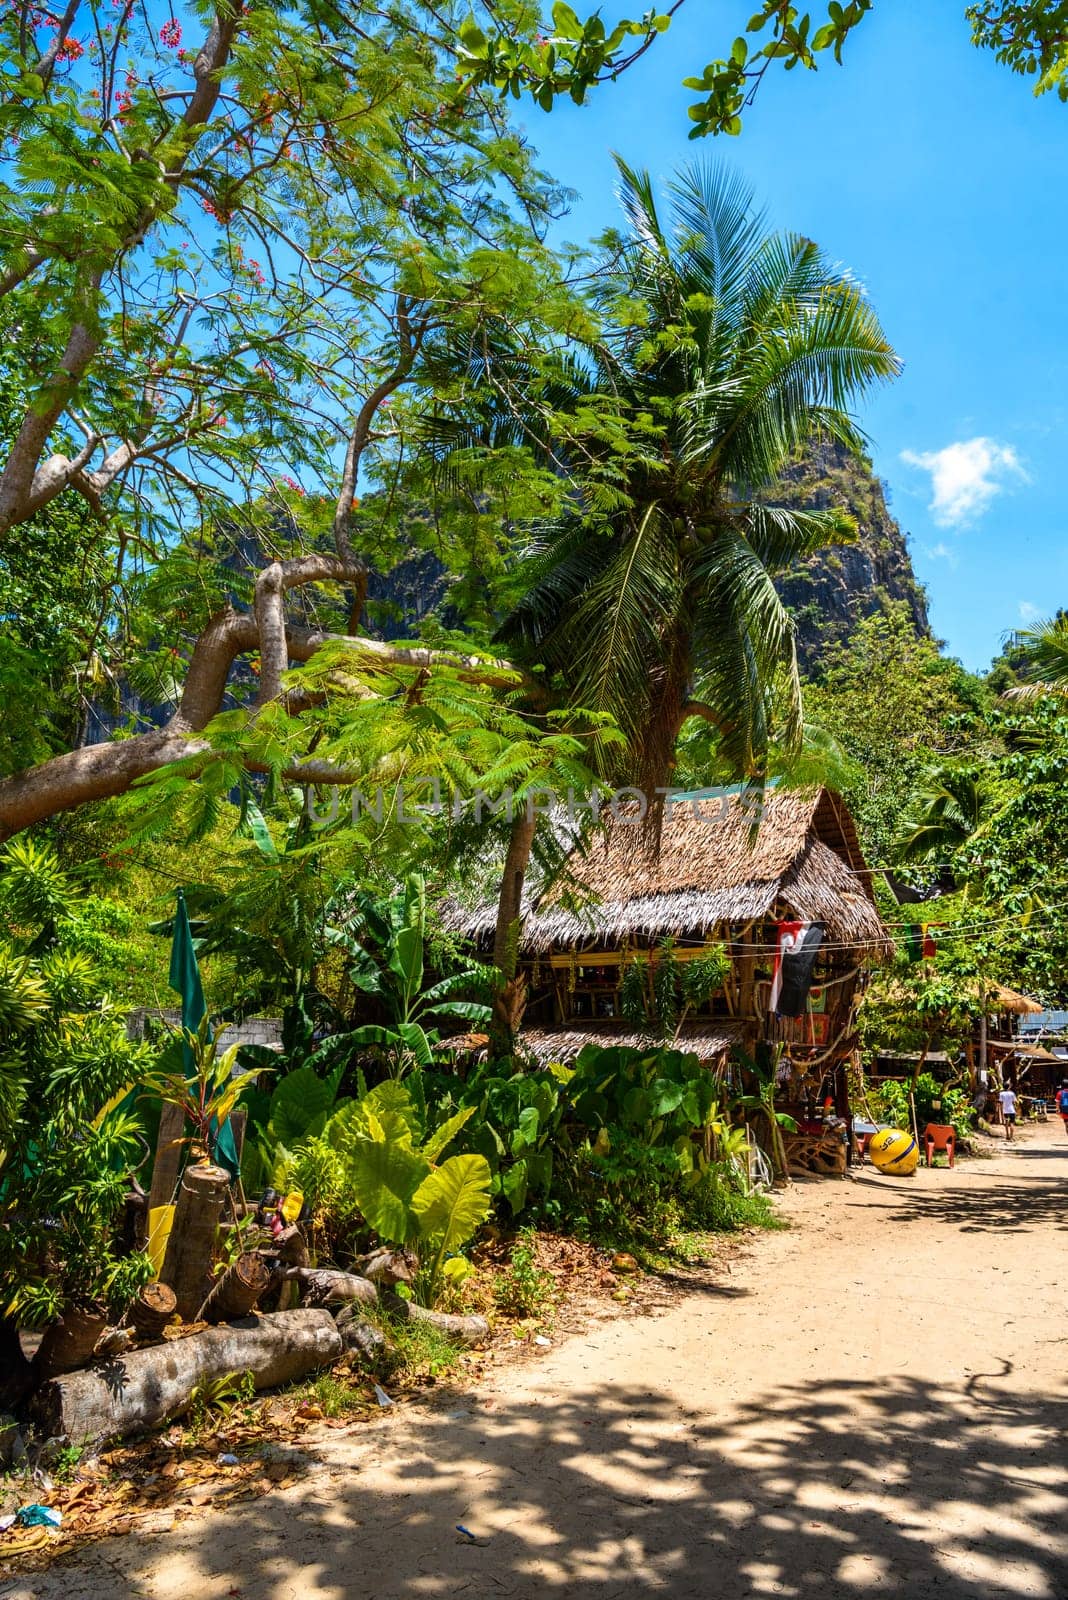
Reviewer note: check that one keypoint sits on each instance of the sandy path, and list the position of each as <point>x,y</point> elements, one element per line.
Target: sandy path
<point>873,1402</point>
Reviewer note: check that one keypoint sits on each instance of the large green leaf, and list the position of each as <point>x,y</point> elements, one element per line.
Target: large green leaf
<point>442,1137</point>
<point>391,1096</point>
<point>385,1176</point>
<point>417,1042</point>
<point>452,1201</point>
<point>406,960</point>
<point>463,1010</point>
<point>514,1185</point>
<point>299,1099</point>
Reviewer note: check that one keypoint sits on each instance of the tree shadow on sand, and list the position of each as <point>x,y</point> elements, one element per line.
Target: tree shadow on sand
<point>899,1488</point>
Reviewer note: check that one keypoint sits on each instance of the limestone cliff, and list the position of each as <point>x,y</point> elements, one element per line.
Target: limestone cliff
<point>830,592</point>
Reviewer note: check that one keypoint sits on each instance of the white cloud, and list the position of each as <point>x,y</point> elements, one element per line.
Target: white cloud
<point>941,552</point>
<point>1029,612</point>
<point>965,477</point>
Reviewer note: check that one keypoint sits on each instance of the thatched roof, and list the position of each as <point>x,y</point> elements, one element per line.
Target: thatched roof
<point>708,1040</point>
<point>709,871</point>
<point>1021,1005</point>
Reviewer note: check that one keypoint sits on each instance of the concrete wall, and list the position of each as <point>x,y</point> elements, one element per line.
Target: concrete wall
<point>254,1030</point>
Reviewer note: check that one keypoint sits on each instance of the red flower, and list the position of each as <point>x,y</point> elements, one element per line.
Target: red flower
<point>171,34</point>
<point>70,50</point>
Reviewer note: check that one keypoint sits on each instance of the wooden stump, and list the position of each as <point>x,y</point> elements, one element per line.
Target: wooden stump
<point>152,1310</point>
<point>187,1264</point>
<point>237,1291</point>
<point>68,1343</point>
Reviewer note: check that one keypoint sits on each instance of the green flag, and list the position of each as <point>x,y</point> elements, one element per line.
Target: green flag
<point>185,980</point>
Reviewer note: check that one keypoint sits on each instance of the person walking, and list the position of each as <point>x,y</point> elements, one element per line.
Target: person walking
<point>1062,1104</point>
<point>1007,1101</point>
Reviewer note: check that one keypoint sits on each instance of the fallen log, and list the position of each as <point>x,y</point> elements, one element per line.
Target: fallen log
<point>137,1392</point>
<point>364,1338</point>
<point>469,1330</point>
<point>321,1287</point>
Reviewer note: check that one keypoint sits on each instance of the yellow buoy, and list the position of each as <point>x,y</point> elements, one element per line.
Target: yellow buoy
<point>894,1152</point>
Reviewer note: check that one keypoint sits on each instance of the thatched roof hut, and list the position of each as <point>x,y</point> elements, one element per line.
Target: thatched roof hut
<point>711,872</point>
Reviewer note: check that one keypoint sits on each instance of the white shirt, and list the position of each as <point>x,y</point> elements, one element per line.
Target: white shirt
<point>1008,1101</point>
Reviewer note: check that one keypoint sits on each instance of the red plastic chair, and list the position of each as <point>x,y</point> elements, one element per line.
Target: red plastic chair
<point>936,1137</point>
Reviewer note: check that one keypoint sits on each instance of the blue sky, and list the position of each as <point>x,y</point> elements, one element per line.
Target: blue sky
<point>939,179</point>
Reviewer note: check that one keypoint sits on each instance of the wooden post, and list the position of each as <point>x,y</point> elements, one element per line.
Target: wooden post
<point>187,1264</point>
<point>168,1156</point>
<point>752,1032</point>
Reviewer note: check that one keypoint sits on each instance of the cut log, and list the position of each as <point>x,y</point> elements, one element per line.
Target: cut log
<point>187,1264</point>
<point>237,1291</point>
<point>469,1330</point>
<point>319,1287</point>
<point>147,1387</point>
<point>68,1343</point>
<point>152,1310</point>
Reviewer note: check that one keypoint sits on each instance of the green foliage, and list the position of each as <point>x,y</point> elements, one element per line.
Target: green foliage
<point>69,1141</point>
<point>934,1103</point>
<point>524,1289</point>
<point>385,944</point>
<point>210,1092</point>
<point>658,991</point>
<point>405,1192</point>
<point>575,54</point>
<point>896,707</point>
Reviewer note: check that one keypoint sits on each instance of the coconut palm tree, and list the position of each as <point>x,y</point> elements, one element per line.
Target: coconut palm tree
<point>1044,665</point>
<point>949,805</point>
<point>724,348</point>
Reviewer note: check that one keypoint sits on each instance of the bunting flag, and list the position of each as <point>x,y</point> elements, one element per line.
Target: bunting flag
<point>919,941</point>
<point>795,960</point>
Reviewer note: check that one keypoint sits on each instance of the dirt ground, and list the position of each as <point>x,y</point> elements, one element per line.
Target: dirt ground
<point>874,1401</point>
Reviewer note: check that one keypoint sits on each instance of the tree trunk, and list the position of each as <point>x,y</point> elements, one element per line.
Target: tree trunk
<point>187,1264</point>
<point>237,1291</point>
<point>139,1391</point>
<point>510,901</point>
<point>510,1000</point>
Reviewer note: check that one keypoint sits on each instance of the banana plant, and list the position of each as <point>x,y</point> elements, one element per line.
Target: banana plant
<point>388,962</point>
<point>406,1192</point>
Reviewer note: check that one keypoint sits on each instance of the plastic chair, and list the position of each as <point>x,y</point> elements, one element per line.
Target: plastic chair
<point>937,1137</point>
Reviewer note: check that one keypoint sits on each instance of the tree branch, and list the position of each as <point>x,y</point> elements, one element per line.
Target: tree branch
<point>101,771</point>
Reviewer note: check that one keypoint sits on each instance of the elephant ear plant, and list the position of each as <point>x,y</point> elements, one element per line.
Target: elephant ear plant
<point>406,1192</point>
